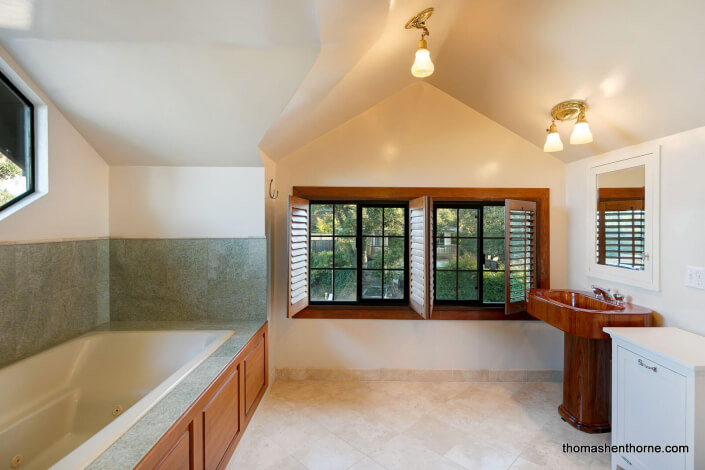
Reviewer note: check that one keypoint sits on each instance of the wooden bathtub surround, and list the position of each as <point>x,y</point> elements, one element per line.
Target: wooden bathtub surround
<point>587,350</point>
<point>205,436</point>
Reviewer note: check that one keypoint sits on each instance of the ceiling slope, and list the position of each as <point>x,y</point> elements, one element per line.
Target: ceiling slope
<point>639,65</point>
<point>366,56</point>
<point>178,82</point>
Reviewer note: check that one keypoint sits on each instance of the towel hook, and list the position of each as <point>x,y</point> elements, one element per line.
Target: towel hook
<point>273,194</point>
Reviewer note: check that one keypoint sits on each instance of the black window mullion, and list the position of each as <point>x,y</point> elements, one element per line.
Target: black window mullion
<point>457,251</point>
<point>359,246</point>
<point>481,255</point>
<point>333,235</point>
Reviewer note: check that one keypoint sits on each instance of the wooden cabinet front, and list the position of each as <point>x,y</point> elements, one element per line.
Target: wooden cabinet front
<point>221,420</point>
<point>205,436</point>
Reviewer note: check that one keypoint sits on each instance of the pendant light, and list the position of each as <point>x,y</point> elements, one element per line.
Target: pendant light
<point>553,139</point>
<point>581,132</point>
<point>422,66</point>
<point>567,111</point>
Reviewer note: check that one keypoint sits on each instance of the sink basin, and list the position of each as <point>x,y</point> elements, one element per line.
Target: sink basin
<point>577,300</point>
<point>586,349</point>
<point>582,314</point>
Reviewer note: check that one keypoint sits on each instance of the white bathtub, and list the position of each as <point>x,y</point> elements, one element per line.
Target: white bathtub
<point>56,408</point>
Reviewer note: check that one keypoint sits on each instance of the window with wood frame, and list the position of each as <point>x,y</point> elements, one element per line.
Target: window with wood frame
<point>358,253</point>
<point>620,227</point>
<point>416,253</point>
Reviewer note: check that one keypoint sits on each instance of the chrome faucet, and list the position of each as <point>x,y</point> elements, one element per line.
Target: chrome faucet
<point>600,292</point>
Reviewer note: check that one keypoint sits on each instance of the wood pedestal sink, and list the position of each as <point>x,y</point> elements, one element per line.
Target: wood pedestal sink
<point>587,349</point>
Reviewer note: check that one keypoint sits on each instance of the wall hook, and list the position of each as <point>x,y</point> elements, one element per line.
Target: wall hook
<point>273,194</point>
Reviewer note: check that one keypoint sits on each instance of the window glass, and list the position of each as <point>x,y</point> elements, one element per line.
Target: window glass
<point>16,145</point>
<point>355,244</point>
<point>469,254</point>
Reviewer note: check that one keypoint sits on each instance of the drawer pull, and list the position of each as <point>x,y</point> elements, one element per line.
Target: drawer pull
<point>652,368</point>
<point>626,460</point>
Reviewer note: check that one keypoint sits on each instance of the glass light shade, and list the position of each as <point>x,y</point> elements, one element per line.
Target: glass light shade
<point>553,143</point>
<point>423,67</point>
<point>581,134</point>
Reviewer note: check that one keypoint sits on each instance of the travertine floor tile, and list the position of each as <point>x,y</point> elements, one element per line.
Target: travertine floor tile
<point>412,425</point>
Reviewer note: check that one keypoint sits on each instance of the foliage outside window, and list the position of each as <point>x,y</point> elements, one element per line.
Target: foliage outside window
<point>358,253</point>
<point>469,254</point>
<point>16,149</point>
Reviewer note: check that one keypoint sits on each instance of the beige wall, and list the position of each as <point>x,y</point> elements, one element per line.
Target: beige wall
<point>76,205</point>
<point>418,137</point>
<point>186,202</point>
<point>681,231</point>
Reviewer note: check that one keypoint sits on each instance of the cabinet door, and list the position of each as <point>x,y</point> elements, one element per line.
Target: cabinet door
<point>221,420</point>
<point>651,401</point>
<point>255,373</point>
<point>179,456</point>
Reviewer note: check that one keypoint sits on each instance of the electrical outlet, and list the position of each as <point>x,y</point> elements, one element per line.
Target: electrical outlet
<point>695,277</point>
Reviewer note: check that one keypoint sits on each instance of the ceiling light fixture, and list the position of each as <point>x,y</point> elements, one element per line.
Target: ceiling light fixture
<point>567,111</point>
<point>422,67</point>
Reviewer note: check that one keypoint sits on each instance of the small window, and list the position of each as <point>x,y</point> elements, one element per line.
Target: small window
<point>17,173</point>
<point>358,253</point>
<point>469,254</point>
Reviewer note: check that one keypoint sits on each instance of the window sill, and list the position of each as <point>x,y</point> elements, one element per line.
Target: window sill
<point>454,312</point>
<point>366,312</point>
<point>360,312</point>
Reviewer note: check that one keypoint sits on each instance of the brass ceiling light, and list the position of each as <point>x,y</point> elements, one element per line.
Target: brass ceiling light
<point>567,111</point>
<point>422,67</point>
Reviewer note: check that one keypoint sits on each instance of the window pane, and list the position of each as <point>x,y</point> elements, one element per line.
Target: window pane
<point>468,253</point>
<point>493,223</point>
<point>372,252</point>
<point>493,286</point>
<point>345,253</point>
<point>321,284</point>
<point>446,222</point>
<point>321,252</point>
<point>394,253</point>
<point>393,284</point>
<point>467,286</point>
<point>16,137</point>
<point>345,219</point>
<point>393,221</point>
<point>345,284</point>
<point>372,221</point>
<point>446,253</point>
<point>494,254</point>
<point>371,284</point>
<point>468,222</point>
<point>322,219</point>
<point>445,285</point>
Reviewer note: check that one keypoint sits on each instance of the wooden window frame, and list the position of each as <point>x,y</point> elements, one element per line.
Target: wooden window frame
<point>359,246</point>
<point>368,194</point>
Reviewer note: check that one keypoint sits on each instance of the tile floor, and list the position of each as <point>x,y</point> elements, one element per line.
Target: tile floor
<point>412,425</point>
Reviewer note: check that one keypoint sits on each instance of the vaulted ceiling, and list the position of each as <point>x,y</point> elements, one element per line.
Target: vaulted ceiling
<point>186,82</point>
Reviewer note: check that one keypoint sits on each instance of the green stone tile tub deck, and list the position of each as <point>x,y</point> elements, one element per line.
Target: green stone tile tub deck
<point>129,449</point>
<point>49,293</point>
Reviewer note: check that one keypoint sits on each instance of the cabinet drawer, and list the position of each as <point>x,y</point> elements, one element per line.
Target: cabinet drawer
<point>651,404</point>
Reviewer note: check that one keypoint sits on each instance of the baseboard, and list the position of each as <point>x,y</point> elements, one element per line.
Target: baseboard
<point>418,375</point>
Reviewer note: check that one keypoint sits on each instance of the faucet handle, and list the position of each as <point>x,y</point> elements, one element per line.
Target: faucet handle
<point>619,298</point>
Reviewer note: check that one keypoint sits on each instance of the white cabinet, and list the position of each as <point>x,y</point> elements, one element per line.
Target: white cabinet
<point>658,398</point>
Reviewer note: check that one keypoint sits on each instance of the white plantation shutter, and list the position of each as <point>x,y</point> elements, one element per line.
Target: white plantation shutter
<point>298,228</point>
<point>419,256</point>
<point>520,242</point>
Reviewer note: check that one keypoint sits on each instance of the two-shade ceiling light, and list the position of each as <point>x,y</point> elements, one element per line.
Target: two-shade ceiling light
<point>567,111</point>
<point>422,67</point>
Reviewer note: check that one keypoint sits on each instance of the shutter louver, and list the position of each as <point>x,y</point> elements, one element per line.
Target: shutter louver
<point>298,228</point>
<point>419,256</point>
<point>521,243</point>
